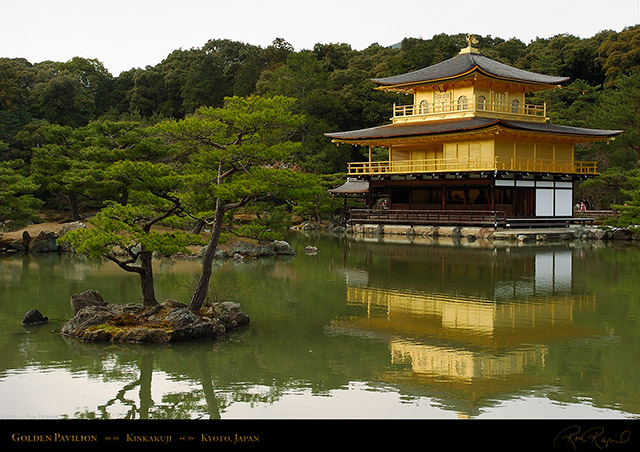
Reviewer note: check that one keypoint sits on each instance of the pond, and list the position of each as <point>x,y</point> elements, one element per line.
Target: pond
<point>365,329</point>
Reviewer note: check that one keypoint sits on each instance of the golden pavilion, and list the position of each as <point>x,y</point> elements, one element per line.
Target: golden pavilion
<point>469,150</point>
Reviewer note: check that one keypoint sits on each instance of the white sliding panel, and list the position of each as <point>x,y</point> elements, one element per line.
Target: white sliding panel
<point>544,202</point>
<point>564,203</point>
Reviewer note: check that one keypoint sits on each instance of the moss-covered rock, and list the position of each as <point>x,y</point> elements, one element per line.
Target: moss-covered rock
<point>166,322</point>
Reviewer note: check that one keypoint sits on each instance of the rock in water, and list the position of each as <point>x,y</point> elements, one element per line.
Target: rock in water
<point>68,227</point>
<point>96,320</point>
<point>18,245</point>
<point>229,314</point>
<point>187,325</point>
<point>34,317</point>
<point>181,316</point>
<point>45,242</point>
<point>284,248</point>
<point>87,317</point>
<point>87,298</point>
<point>243,249</point>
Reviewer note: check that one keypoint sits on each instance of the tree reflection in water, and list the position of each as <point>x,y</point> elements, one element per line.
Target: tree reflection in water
<point>433,329</point>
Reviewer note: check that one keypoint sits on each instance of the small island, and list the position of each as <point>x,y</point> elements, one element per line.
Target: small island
<point>195,172</point>
<point>96,320</point>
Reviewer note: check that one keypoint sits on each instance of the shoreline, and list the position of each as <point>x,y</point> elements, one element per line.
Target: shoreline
<point>10,242</point>
<point>585,233</point>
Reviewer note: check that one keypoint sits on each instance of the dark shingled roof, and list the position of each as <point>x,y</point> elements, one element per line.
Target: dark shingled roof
<point>408,129</point>
<point>351,186</point>
<point>464,63</point>
<point>563,130</point>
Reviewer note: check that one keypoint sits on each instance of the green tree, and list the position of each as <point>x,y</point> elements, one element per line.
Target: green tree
<point>62,169</point>
<point>72,163</point>
<point>16,80</point>
<point>278,52</point>
<point>147,95</point>
<point>509,51</point>
<point>308,80</point>
<point>448,46</point>
<point>565,55</point>
<point>17,201</point>
<point>619,53</point>
<point>269,220</point>
<point>607,187</point>
<point>629,212</point>
<point>311,198</point>
<point>106,142</point>
<point>96,79</point>
<point>128,235</point>
<point>71,93</point>
<point>222,68</point>
<point>121,93</point>
<point>188,79</point>
<point>232,157</point>
<point>571,104</point>
<point>618,108</point>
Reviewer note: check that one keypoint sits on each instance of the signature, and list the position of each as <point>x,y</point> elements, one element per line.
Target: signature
<point>575,436</point>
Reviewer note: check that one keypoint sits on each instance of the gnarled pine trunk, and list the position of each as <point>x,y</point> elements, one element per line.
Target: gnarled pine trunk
<point>146,279</point>
<point>202,288</point>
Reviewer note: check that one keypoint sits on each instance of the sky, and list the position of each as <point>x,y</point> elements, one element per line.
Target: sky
<point>124,34</point>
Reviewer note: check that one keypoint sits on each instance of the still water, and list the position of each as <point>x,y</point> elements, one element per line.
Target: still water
<point>365,329</point>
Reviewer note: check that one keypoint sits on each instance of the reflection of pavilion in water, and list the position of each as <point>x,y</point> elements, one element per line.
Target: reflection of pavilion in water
<point>474,342</point>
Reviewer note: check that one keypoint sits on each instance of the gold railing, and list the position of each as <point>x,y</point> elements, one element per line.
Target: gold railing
<point>448,165</point>
<point>469,105</point>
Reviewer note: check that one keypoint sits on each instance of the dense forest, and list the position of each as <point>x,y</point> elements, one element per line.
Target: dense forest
<point>64,124</point>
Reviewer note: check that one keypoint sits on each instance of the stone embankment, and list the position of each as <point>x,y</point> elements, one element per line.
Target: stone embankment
<point>46,241</point>
<point>242,250</point>
<point>475,233</point>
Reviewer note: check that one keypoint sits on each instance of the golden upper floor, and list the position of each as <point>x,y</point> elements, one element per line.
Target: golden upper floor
<point>461,103</point>
<point>469,84</point>
<point>472,145</point>
<point>474,112</point>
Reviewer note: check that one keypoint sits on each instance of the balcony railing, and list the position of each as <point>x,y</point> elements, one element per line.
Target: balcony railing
<point>469,105</point>
<point>452,165</point>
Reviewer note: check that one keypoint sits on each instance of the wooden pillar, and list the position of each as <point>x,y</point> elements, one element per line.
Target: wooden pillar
<point>493,197</point>
<point>444,195</point>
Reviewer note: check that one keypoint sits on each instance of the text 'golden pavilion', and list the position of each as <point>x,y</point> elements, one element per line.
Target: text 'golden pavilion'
<point>470,144</point>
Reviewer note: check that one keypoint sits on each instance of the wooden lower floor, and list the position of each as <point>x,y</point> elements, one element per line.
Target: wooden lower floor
<point>522,200</point>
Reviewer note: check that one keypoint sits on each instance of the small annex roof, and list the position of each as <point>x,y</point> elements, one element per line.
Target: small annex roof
<point>424,128</point>
<point>464,64</point>
<point>351,187</point>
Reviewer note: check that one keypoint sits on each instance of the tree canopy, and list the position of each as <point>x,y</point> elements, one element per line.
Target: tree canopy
<point>127,234</point>
<point>231,156</point>
<point>330,85</point>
